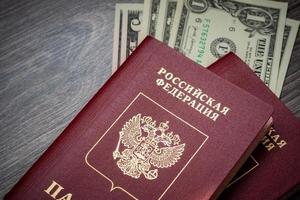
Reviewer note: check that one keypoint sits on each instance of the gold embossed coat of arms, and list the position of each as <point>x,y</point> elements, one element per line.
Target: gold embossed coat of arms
<point>146,147</point>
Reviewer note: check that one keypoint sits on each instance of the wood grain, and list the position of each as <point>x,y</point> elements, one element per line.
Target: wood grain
<point>291,89</point>
<point>54,55</point>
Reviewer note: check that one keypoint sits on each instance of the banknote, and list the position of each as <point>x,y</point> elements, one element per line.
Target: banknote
<point>150,17</point>
<point>166,20</point>
<point>127,31</point>
<point>290,33</point>
<point>205,30</point>
<point>116,62</point>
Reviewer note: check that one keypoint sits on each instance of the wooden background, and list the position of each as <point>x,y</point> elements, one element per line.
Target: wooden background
<point>54,55</point>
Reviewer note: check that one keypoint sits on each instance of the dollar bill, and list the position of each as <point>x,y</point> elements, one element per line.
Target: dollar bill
<point>290,33</point>
<point>205,30</point>
<point>127,31</point>
<point>116,62</point>
<point>150,17</point>
<point>166,20</point>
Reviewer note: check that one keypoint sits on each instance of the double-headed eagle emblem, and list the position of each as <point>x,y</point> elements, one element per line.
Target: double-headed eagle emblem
<point>147,146</point>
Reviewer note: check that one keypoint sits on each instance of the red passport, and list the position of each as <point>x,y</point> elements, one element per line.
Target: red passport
<point>160,128</point>
<point>273,168</point>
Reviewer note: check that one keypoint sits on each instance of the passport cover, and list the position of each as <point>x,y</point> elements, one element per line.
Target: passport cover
<point>160,128</point>
<point>273,168</point>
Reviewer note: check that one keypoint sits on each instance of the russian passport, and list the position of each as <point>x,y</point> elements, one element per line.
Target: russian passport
<point>160,128</point>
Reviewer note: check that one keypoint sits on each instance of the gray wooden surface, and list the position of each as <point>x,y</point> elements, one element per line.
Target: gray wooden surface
<point>54,55</point>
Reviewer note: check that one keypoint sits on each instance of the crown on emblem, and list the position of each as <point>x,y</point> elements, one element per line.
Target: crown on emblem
<point>163,126</point>
<point>160,132</point>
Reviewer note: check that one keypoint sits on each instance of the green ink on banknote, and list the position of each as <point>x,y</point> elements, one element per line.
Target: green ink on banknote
<point>202,40</point>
